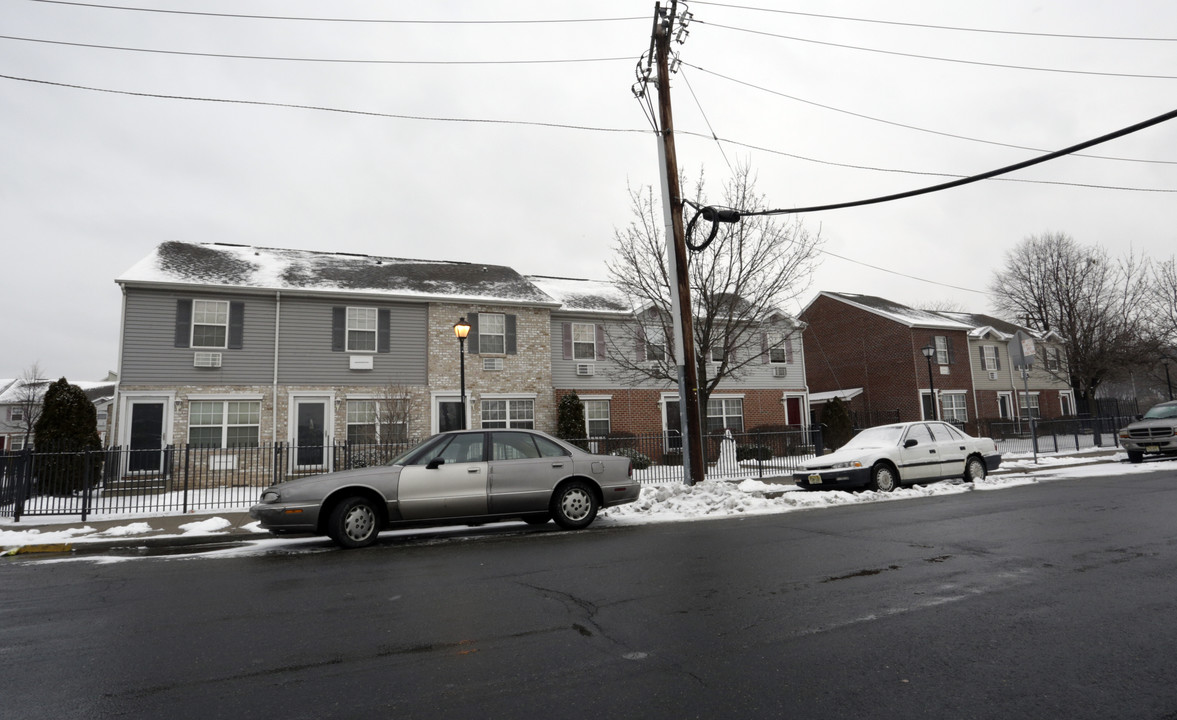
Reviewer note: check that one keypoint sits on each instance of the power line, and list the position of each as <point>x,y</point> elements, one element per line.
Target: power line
<point>337,20</point>
<point>321,60</point>
<point>327,109</point>
<point>983,176</point>
<point>853,166</point>
<point>915,127</point>
<point>940,27</point>
<point>895,272</point>
<point>937,58</point>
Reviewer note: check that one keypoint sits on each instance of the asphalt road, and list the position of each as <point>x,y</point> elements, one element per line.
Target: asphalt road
<point>1047,601</point>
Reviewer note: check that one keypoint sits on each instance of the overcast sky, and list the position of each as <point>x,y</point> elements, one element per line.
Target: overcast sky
<point>827,109</point>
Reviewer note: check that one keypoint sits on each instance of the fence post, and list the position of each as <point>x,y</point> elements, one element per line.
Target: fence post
<point>187,452</point>
<point>818,442</point>
<point>24,475</point>
<point>87,478</point>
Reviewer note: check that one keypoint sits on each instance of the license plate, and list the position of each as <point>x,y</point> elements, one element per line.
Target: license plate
<point>815,479</point>
<point>1152,448</point>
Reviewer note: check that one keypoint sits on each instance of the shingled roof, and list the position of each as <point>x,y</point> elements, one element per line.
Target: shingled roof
<point>222,265</point>
<point>898,312</point>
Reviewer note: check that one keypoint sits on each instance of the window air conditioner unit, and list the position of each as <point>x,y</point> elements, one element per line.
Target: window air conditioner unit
<point>492,363</point>
<point>207,359</point>
<point>992,375</point>
<point>585,369</point>
<point>780,372</point>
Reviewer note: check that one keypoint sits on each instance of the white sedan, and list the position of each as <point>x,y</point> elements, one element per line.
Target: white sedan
<point>885,457</point>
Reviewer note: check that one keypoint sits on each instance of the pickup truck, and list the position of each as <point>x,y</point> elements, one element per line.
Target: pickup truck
<point>1155,433</point>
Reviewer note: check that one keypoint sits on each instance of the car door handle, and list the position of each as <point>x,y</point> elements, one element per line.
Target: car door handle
<point>474,470</point>
<point>932,452</point>
<point>558,465</point>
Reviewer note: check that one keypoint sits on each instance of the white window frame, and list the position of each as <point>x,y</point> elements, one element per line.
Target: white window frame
<point>362,322</point>
<point>16,443</point>
<point>580,345</point>
<point>989,363</point>
<point>597,403</point>
<point>941,343</point>
<point>777,343</point>
<point>16,414</point>
<point>492,326</point>
<point>953,413</point>
<point>655,345</point>
<point>724,400</point>
<point>225,425</point>
<point>517,411</point>
<point>353,418</point>
<point>1030,409</point>
<point>209,314</point>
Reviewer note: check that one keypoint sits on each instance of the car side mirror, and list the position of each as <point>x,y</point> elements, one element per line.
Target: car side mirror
<point>911,442</point>
<point>1139,417</point>
<point>435,463</point>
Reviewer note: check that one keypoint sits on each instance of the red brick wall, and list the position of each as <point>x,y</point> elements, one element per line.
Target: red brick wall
<point>640,412</point>
<point>847,347</point>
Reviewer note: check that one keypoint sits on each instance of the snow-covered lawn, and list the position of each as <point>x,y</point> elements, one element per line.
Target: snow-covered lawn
<point>672,502</point>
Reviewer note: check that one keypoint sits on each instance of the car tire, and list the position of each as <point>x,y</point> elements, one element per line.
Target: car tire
<point>574,505</point>
<point>1135,456</point>
<point>883,478</point>
<point>974,469</point>
<point>354,522</point>
<point>537,519</point>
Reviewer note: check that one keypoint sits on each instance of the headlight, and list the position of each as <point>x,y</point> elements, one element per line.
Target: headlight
<point>270,496</point>
<point>841,465</point>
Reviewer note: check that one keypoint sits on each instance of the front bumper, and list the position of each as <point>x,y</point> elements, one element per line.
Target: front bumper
<point>832,478</point>
<point>992,462</point>
<point>1154,446</point>
<point>290,517</point>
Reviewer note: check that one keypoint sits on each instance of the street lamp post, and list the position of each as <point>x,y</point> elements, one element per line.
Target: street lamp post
<point>929,351</point>
<point>461,330</point>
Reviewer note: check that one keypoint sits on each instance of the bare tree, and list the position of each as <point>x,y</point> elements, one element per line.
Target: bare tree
<point>739,284</point>
<point>393,413</point>
<point>1096,304</point>
<point>29,395</point>
<point>943,306</point>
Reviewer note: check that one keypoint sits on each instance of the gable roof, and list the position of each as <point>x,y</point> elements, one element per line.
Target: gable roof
<point>16,392</point>
<point>985,325</point>
<point>896,312</point>
<point>220,265</point>
<point>583,296</point>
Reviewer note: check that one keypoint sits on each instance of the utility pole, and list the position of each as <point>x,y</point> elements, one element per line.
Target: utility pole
<point>694,468</point>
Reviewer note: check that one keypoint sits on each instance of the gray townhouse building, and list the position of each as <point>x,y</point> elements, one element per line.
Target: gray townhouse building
<point>228,345</point>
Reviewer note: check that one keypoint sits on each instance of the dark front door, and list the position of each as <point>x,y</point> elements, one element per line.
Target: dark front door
<point>673,426</point>
<point>146,437</point>
<point>450,416</point>
<point>311,437</point>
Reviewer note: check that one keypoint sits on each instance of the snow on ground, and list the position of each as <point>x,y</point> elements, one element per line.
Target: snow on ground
<point>675,502</point>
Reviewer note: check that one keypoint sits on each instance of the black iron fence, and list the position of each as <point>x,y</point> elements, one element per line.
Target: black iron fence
<point>179,479</point>
<point>1052,436</point>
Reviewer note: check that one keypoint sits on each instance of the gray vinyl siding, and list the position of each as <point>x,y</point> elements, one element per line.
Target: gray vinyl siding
<point>306,358</point>
<point>151,358</point>
<point>753,376</point>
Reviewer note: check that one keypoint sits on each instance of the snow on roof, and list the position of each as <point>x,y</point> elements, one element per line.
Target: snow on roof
<point>15,393</point>
<point>278,269</point>
<point>596,296</point>
<point>898,312</point>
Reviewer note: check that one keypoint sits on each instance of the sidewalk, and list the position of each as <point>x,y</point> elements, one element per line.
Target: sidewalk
<point>211,528</point>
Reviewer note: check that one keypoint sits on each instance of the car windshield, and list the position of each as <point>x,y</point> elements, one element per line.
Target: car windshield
<point>876,437</point>
<point>1161,411</point>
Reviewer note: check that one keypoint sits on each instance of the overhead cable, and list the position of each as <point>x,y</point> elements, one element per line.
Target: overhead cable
<point>939,59</point>
<point>318,60</point>
<point>941,27</point>
<point>337,20</point>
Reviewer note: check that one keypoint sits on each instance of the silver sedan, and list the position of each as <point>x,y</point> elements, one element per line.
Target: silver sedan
<point>469,476</point>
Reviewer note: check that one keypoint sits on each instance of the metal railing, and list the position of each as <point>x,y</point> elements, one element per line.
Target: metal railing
<point>179,479</point>
<point>1053,436</point>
